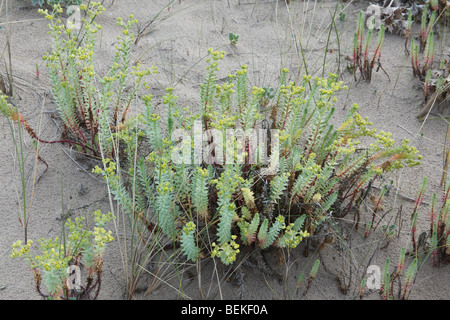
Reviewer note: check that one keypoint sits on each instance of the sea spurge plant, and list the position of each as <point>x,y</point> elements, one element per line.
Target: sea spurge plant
<point>426,28</point>
<point>432,73</point>
<point>440,227</point>
<point>80,248</point>
<point>410,277</point>
<point>50,266</point>
<point>399,283</point>
<point>92,107</point>
<point>408,29</point>
<point>422,66</point>
<point>361,59</point>
<point>233,175</point>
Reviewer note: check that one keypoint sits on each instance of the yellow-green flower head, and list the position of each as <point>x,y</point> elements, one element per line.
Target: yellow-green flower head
<point>17,244</point>
<point>317,197</point>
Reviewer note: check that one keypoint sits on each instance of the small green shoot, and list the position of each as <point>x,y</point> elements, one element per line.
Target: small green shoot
<point>233,38</point>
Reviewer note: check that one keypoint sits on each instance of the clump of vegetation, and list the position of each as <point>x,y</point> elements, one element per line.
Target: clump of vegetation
<point>91,107</point>
<point>51,3</point>
<point>433,74</point>
<point>439,227</point>
<point>404,279</point>
<point>426,28</point>
<point>251,169</point>
<point>222,201</point>
<point>399,283</point>
<point>81,249</point>
<point>427,46</point>
<point>361,59</point>
<point>398,17</point>
<point>434,243</point>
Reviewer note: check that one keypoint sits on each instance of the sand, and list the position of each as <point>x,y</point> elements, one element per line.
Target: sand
<point>176,42</point>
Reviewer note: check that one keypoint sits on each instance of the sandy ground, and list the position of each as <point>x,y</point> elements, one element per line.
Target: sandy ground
<point>176,42</point>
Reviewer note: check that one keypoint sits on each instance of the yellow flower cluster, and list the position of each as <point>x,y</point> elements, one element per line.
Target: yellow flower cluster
<point>226,252</point>
<point>147,98</point>
<point>101,219</point>
<point>203,172</point>
<point>154,117</point>
<point>347,123</point>
<point>257,91</point>
<point>53,256</point>
<point>222,120</point>
<point>189,227</point>
<point>141,72</point>
<point>292,238</point>
<point>310,166</point>
<point>131,21</point>
<point>226,87</point>
<point>226,179</point>
<point>345,145</point>
<point>169,98</point>
<point>56,264</point>
<point>384,138</point>
<point>284,136</point>
<point>292,90</point>
<point>110,169</point>
<point>19,249</point>
<point>243,70</point>
<point>317,197</point>
<point>164,188</point>
<point>280,219</point>
<point>101,237</point>
<point>215,56</point>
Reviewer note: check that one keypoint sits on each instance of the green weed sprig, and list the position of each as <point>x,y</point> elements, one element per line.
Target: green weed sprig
<point>312,275</point>
<point>408,30</point>
<point>233,38</point>
<point>361,57</point>
<point>422,67</point>
<point>425,29</point>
